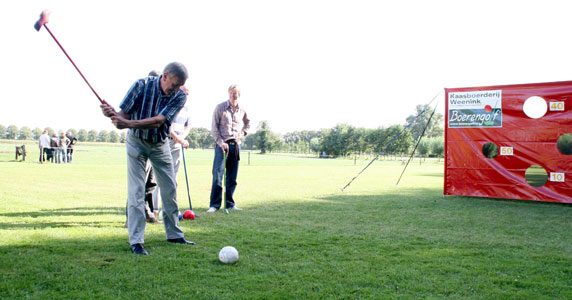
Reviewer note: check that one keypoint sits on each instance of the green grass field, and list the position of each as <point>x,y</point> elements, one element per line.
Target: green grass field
<point>299,236</point>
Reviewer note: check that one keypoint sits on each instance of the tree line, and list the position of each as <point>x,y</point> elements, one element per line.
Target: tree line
<point>12,132</point>
<point>198,137</point>
<point>342,140</point>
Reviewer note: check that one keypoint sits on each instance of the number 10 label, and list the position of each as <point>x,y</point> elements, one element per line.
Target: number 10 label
<point>556,177</point>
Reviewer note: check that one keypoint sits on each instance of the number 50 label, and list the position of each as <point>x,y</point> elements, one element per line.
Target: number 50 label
<point>556,177</point>
<point>506,151</point>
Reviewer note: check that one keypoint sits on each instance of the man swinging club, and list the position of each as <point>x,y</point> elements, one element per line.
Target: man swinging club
<point>148,110</point>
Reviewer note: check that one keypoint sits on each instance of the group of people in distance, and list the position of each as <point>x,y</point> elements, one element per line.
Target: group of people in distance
<point>155,112</point>
<point>57,148</point>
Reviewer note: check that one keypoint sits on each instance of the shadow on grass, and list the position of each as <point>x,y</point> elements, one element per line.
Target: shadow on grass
<point>440,175</point>
<point>433,195</point>
<point>73,211</point>
<point>62,212</point>
<point>43,225</point>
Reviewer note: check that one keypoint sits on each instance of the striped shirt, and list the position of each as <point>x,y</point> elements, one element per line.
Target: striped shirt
<point>229,123</point>
<point>144,100</point>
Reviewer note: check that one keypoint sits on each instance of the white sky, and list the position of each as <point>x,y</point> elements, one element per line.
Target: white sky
<point>302,64</point>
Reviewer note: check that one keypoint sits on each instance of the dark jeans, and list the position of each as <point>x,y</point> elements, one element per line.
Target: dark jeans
<point>150,186</point>
<point>219,166</point>
<point>69,154</point>
<point>49,154</point>
<point>43,153</point>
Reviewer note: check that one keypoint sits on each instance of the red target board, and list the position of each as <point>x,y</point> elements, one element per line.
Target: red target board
<point>509,141</point>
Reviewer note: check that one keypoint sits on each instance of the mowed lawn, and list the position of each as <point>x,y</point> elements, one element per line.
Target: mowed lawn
<point>299,236</point>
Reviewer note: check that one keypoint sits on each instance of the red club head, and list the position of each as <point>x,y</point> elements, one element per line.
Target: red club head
<point>43,20</point>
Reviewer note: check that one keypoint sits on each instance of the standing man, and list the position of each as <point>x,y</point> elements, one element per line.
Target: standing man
<point>148,110</point>
<point>44,145</point>
<point>73,140</point>
<point>63,149</point>
<point>229,126</point>
<point>55,145</point>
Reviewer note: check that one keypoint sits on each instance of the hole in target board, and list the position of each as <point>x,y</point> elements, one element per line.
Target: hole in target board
<point>536,175</point>
<point>564,144</point>
<point>535,107</point>
<point>490,150</point>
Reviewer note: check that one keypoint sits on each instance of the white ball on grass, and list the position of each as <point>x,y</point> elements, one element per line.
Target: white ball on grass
<point>228,255</point>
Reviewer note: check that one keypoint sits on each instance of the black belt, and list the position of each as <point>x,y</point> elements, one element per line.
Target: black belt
<point>231,142</point>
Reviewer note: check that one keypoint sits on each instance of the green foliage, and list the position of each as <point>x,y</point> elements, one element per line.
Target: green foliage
<point>92,136</point>
<point>399,140</point>
<point>36,133</point>
<point>103,136</point>
<point>431,147</point>
<point>262,141</point>
<point>72,131</point>
<point>11,132</point>
<point>416,123</point>
<point>265,139</point>
<point>315,144</point>
<point>200,138</point>
<point>358,142</point>
<point>437,146</point>
<point>423,147</point>
<point>344,139</point>
<point>113,137</point>
<point>82,135</point>
<point>298,236</point>
<point>301,141</point>
<point>338,141</point>
<point>376,138</point>
<point>25,133</point>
